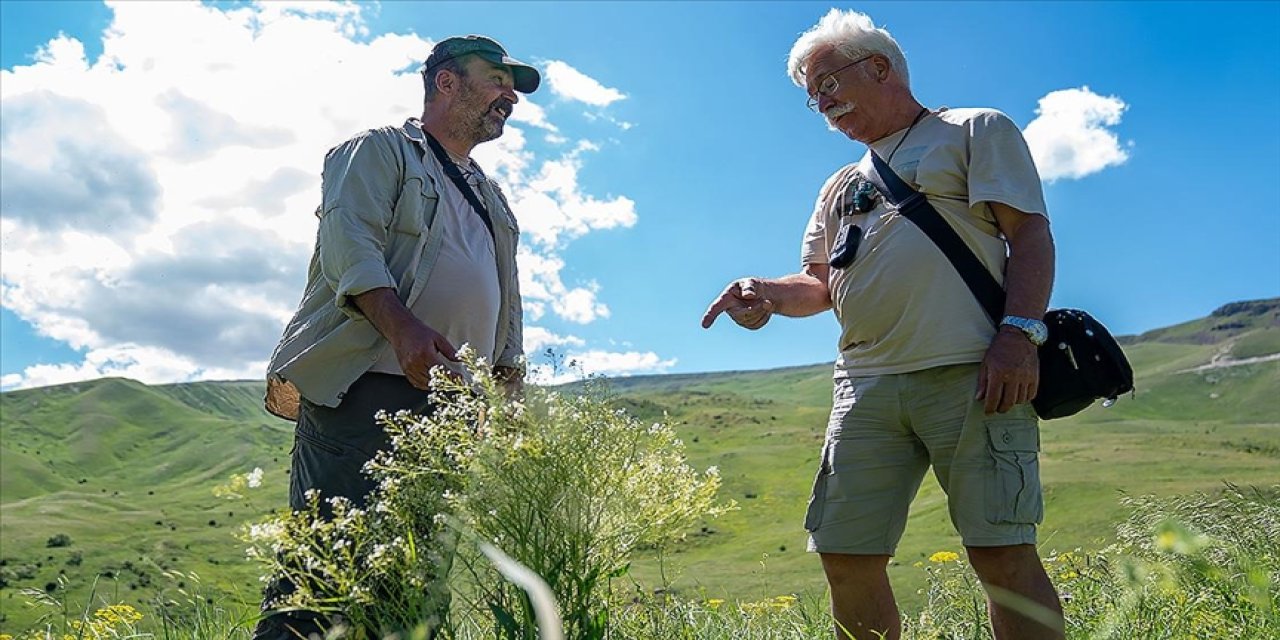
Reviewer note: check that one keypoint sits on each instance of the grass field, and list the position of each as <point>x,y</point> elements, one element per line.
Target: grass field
<point>126,471</point>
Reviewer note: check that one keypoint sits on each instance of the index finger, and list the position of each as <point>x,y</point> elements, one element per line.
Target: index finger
<point>723,303</point>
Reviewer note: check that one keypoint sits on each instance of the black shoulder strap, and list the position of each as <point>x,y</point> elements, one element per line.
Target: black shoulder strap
<point>915,207</point>
<point>451,170</point>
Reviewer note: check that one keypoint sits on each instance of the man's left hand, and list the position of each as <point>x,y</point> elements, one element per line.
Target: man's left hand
<point>512,380</point>
<point>1010,372</point>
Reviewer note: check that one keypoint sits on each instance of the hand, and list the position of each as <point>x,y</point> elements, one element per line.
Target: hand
<point>512,380</point>
<point>743,302</point>
<point>1010,372</point>
<point>419,348</point>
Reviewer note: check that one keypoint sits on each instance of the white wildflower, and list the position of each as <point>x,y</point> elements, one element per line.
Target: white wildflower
<point>255,478</point>
<point>266,531</point>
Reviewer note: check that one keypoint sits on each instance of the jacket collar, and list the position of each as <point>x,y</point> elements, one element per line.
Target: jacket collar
<point>412,129</point>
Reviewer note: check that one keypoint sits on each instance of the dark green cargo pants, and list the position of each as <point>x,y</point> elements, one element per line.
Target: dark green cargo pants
<point>330,446</point>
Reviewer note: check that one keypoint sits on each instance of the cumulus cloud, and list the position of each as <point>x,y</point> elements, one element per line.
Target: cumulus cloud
<point>62,165</point>
<point>538,340</point>
<point>157,210</point>
<point>568,82</point>
<point>1070,137</point>
<point>573,365</point>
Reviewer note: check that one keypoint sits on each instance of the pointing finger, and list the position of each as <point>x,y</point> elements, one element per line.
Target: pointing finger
<point>719,306</point>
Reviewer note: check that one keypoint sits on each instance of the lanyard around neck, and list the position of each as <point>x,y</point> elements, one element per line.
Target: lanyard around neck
<point>455,174</point>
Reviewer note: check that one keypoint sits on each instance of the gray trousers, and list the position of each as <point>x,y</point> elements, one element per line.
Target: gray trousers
<point>330,445</point>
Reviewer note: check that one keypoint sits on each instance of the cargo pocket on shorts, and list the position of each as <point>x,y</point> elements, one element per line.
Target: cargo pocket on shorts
<point>326,465</point>
<point>818,499</point>
<point>1013,489</point>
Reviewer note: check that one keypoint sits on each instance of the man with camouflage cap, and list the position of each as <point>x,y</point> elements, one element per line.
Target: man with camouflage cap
<point>415,256</point>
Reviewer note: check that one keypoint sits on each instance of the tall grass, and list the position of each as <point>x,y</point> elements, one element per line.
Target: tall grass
<point>1199,566</point>
<point>572,488</point>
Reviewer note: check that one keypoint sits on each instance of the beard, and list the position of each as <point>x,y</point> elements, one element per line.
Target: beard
<point>476,120</point>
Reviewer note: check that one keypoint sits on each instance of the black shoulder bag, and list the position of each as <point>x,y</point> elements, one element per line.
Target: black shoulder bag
<point>1079,363</point>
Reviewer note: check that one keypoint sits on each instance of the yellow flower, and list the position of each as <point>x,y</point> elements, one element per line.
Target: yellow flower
<point>944,556</point>
<point>713,603</point>
<point>783,602</point>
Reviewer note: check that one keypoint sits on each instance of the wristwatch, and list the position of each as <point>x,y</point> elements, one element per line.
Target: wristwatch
<point>1036,331</point>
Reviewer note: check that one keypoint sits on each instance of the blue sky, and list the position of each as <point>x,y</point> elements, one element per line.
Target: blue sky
<point>160,164</point>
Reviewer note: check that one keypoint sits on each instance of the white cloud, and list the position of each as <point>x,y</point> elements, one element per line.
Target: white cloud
<point>580,305</point>
<point>1070,137</point>
<point>542,287</point>
<point>145,364</point>
<point>538,339</point>
<point>529,112</point>
<point>158,201</point>
<point>575,365</point>
<point>570,83</point>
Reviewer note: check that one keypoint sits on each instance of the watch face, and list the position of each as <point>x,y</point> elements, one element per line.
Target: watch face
<point>1038,333</point>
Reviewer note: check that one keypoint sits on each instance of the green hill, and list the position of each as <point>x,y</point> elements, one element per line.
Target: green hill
<point>126,471</point>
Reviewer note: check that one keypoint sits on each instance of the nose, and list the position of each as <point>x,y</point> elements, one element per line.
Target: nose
<point>825,102</point>
<point>509,92</point>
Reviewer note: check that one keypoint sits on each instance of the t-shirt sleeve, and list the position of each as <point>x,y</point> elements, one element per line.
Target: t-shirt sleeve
<point>814,249</point>
<point>1000,165</point>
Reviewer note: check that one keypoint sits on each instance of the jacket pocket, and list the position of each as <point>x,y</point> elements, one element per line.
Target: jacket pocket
<point>1013,488</point>
<point>415,208</point>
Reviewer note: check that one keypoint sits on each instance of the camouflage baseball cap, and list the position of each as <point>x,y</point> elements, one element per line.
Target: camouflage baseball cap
<point>526,77</point>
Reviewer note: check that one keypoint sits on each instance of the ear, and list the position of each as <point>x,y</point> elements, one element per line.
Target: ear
<point>446,81</point>
<point>883,67</point>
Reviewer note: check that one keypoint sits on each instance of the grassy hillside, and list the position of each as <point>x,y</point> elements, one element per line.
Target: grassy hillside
<point>126,471</point>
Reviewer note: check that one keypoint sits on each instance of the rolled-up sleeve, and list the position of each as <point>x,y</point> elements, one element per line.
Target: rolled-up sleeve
<point>360,185</point>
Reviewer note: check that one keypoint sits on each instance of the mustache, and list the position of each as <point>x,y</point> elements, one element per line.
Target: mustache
<point>838,110</point>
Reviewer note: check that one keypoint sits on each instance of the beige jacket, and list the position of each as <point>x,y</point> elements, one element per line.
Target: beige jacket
<point>378,206</point>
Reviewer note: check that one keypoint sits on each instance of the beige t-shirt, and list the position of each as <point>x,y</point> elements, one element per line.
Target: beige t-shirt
<point>461,297</point>
<point>901,305</point>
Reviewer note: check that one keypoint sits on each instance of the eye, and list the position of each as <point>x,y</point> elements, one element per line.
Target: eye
<point>828,85</point>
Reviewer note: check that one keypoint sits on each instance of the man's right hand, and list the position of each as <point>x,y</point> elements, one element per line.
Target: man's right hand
<point>744,302</point>
<point>418,349</point>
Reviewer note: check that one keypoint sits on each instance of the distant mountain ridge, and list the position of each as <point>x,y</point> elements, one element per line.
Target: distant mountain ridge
<point>1226,322</point>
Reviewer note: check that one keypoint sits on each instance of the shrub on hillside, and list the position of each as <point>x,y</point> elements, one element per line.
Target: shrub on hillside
<point>58,540</point>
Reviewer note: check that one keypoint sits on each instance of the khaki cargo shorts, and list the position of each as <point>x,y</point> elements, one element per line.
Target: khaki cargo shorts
<point>886,431</point>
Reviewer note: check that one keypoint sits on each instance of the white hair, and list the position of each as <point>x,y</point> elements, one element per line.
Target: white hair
<point>854,35</point>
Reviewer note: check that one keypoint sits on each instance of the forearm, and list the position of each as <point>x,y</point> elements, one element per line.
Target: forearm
<point>799,294</point>
<point>1029,273</point>
<point>383,309</point>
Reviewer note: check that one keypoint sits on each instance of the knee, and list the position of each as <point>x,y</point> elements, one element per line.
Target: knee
<point>998,564</point>
<point>845,568</point>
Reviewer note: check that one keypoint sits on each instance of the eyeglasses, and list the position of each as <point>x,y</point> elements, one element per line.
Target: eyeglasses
<point>829,84</point>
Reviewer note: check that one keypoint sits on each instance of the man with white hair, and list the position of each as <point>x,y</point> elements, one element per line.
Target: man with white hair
<point>924,377</point>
